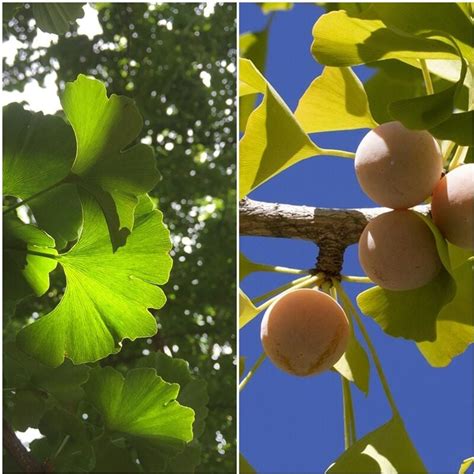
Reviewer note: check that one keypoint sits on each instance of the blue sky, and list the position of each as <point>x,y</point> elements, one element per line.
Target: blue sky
<point>290,424</point>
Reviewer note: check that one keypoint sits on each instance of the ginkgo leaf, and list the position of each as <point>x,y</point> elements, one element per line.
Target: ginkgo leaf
<point>38,154</point>
<point>107,294</point>
<point>104,128</point>
<point>38,151</point>
<point>273,139</point>
<point>410,314</point>
<point>336,100</point>
<point>193,394</point>
<point>247,310</point>
<point>455,322</point>
<point>354,364</point>
<point>427,111</point>
<point>246,267</point>
<point>457,128</point>
<point>29,257</point>
<point>341,39</point>
<point>141,406</point>
<point>193,391</point>
<point>64,383</point>
<point>252,46</point>
<point>56,17</point>
<point>465,465</point>
<point>387,450</point>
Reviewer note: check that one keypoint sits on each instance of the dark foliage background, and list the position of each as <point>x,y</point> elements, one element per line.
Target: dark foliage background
<point>156,55</point>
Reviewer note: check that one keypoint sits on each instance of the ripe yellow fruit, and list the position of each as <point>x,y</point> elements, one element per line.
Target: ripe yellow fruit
<point>397,167</point>
<point>397,251</point>
<point>305,332</point>
<point>453,206</point>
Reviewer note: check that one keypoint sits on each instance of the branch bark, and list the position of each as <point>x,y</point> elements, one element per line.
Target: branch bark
<point>25,461</point>
<point>332,230</point>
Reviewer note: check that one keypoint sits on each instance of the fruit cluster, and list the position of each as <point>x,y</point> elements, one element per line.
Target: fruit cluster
<point>306,332</point>
<point>400,168</point>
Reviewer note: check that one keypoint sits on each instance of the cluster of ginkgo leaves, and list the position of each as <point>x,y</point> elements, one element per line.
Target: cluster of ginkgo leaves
<point>422,55</point>
<point>75,198</point>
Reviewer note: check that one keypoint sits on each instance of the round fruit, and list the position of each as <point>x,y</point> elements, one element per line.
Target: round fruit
<point>397,251</point>
<point>397,167</point>
<point>453,206</point>
<point>304,332</point>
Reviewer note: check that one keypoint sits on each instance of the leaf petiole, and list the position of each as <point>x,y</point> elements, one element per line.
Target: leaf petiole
<point>298,283</point>
<point>426,77</point>
<point>341,153</point>
<point>356,279</point>
<point>349,420</point>
<point>349,308</point>
<point>252,371</point>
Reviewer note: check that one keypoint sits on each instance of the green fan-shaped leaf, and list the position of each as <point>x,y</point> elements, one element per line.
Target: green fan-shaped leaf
<point>57,17</point>
<point>193,391</point>
<point>336,100</point>
<point>64,383</point>
<point>455,322</point>
<point>344,40</point>
<point>427,111</point>
<point>417,18</point>
<point>388,449</point>
<point>38,151</point>
<point>273,139</point>
<point>252,46</point>
<point>114,174</point>
<point>458,128</point>
<point>409,314</point>
<point>141,406</point>
<point>66,445</point>
<point>107,294</point>
<point>28,258</point>
<point>247,310</point>
<point>354,364</point>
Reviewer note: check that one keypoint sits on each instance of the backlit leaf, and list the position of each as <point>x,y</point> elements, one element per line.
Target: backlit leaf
<point>107,294</point>
<point>247,310</point>
<point>141,406</point>
<point>116,175</point>
<point>269,7</point>
<point>354,364</point>
<point>273,139</point>
<point>344,40</point>
<point>336,100</point>
<point>26,265</point>
<point>387,450</point>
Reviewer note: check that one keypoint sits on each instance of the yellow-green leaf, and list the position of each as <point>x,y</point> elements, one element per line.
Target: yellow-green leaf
<point>344,40</point>
<point>269,7</point>
<point>248,311</point>
<point>465,465</point>
<point>336,100</point>
<point>273,139</point>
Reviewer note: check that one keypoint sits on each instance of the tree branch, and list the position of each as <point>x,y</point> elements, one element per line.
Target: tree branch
<point>333,230</point>
<point>25,461</point>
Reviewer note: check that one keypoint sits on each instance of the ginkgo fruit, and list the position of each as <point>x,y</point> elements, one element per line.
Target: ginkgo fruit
<point>397,167</point>
<point>397,251</point>
<point>304,332</point>
<point>452,206</point>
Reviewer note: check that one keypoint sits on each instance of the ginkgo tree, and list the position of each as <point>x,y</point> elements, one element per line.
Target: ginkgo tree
<point>423,58</point>
<point>75,202</point>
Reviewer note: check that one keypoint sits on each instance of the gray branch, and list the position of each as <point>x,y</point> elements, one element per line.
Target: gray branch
<point>332,230</point>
